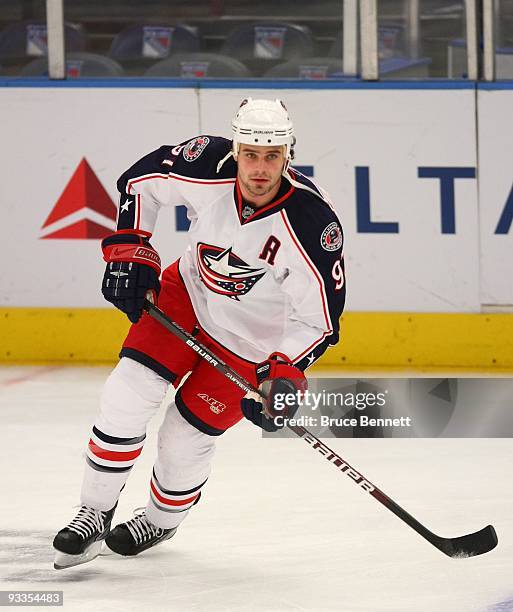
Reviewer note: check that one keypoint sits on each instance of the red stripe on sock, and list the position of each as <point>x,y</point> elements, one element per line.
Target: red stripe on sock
<point>171,502</point>
<point>113,455</point>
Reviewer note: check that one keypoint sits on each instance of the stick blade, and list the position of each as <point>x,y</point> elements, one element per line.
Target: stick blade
<point>469,545</point>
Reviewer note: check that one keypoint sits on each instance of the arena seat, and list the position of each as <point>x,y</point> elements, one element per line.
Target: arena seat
<point>198,66</point>
<point>263,45</point>
<point>394,62</point>
<point>391,42</point>
<point>311,68</point>
<point>78,65</point>
<point>24,40</point>
<point>137,47</point>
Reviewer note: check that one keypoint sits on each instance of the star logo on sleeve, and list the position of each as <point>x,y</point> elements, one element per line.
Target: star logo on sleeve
<point>125,205</point>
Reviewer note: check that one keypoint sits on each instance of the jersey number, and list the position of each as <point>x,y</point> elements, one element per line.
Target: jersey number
<point>337,272</point>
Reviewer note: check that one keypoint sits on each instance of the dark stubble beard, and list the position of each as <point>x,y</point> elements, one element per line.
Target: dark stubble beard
<point>260,193</point>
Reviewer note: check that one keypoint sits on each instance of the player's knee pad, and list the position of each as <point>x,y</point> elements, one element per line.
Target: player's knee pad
<point>130,397</point>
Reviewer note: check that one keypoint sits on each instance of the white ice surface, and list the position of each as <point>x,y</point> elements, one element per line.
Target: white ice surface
<point>278,528</point>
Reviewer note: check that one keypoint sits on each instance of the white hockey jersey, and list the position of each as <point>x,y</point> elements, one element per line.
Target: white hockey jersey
<point>260,280</point>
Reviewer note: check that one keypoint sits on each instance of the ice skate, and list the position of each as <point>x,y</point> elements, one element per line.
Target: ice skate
<point>136,535</point>
<point>81,541</point>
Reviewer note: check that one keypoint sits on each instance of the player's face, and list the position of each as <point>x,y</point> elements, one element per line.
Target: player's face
<point>259,172</point>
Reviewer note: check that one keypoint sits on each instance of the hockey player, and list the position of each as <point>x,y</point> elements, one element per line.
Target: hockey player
<point>261,284</point>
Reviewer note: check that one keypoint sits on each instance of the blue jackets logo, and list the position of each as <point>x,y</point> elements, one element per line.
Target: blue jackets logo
<point>225,273</point>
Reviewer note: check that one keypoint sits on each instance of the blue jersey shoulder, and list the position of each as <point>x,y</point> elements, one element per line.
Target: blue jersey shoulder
<point>319,231</point>
<point>198,158</point>
<point>310,212</point>
<point>316,225</point>
<point>201,157</point>
<point>305,182</point>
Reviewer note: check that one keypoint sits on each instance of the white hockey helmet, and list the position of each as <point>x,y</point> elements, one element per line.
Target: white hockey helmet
<point>263,123</point>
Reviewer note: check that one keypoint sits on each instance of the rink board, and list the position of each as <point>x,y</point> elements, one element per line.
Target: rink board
<point>426,212</point>
<point>496,193</point>
<point>400,165</point>
<point>370,339</point>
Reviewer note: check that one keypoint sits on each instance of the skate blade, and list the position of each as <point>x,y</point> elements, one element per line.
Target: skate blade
<point>64,560</point>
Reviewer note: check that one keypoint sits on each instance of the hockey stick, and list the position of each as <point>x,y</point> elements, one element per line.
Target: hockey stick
<point>468,545</point>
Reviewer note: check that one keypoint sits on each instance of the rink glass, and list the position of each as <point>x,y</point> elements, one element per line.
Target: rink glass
<point>416,39</point>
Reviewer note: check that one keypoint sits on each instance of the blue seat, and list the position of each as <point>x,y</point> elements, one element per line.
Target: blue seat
<point>198,66</point>
<point>391,42</point>
<point>78,65</point>
<point>263,45</point>
<point>25,40</point>
<point>139,46</point>
<point>310,68</point>
<point>394,62</point>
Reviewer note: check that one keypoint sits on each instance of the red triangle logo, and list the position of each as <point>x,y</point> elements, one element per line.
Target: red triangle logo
<point>83,190</point>
<point>84,229</point>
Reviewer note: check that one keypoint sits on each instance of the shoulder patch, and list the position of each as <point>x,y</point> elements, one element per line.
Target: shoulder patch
<point>195,148</point>
<point>331,237</point>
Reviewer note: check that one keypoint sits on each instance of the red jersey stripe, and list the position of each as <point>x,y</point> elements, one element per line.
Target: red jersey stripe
<point>138,201</point>
<point>186,179</point>
<point>133,231</point>
<point>146,177</point>
<point>313,268</point>
<point>262,209</point>
<point>311,347</point>
<point>177,177</point>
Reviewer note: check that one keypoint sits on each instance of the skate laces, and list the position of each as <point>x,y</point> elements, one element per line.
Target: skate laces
<point>141,529</point>
<point>87,521</point>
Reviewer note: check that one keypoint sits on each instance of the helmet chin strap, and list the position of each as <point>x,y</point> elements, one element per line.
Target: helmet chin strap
<point>225,159</point>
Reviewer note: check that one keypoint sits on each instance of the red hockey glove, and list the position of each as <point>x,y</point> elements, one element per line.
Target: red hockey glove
<point>282,384</point>
<point>133,270</point>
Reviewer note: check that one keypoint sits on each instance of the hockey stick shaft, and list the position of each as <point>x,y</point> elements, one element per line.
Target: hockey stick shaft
<point>469,545</point>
